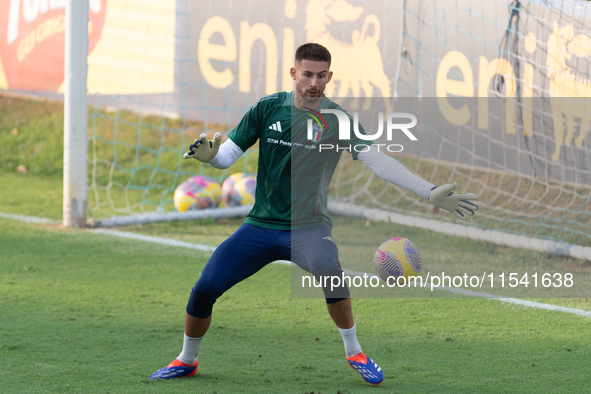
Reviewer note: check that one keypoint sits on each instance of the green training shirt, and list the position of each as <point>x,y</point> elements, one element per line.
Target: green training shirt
<point>293,171</point>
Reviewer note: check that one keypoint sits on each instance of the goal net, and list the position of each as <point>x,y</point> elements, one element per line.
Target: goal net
<point>488,73</point>
<point>512,78</point>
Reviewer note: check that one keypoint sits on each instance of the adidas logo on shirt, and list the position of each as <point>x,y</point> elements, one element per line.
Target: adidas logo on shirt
<point>276,126</point>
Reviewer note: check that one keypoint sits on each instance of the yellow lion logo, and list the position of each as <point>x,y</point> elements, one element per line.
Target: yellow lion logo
<point>357,65</point>
<point>566,85</point>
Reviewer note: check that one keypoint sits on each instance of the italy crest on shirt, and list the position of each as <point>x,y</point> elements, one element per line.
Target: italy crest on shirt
<point>315,128</point>
<point>316,132</point>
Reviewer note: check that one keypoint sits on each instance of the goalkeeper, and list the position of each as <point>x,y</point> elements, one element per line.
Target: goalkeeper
<point>293,226</point>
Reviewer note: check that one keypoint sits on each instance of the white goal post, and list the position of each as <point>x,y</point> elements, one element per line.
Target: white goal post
<point>75,115</point>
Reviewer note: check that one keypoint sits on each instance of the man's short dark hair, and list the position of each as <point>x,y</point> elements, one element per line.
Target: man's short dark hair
<point>313,52</point>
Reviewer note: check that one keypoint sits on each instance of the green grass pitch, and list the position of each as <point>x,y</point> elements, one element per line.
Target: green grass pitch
<point>87,313</point>
<point>83,312</point>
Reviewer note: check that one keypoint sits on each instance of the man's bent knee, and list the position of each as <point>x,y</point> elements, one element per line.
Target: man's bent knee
<point>203,296</point>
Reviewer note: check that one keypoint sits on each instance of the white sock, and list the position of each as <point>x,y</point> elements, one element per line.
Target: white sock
<point>190,350</point>
<point>352,346</point>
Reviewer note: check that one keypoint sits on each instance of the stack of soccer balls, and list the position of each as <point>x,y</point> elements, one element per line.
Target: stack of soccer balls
<point>203,192</point>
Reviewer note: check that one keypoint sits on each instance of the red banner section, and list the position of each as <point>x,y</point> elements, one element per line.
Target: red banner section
<point>32,41</point>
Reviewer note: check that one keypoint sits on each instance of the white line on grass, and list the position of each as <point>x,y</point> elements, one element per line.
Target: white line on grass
<point>207,248</point>
<point>517,301</point>
<point>476,294</point>
<point>156,240</point>
<point>27,219</point>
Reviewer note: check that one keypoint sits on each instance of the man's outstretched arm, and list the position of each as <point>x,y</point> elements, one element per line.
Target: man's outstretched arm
<point>391,170</point>
<point>211,152</point>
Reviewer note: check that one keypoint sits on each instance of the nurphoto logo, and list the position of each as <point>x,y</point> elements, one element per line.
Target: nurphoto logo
<point>392,123</point>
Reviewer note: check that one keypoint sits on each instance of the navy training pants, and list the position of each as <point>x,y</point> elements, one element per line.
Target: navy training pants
<point>251,248</point>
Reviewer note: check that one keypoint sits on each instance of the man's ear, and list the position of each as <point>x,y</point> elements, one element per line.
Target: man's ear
<point>329,76</point>
<point>292,72</point>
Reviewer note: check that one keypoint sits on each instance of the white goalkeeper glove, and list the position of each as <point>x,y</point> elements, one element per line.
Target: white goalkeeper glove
<point>456,203</point>
<point>204,150</point>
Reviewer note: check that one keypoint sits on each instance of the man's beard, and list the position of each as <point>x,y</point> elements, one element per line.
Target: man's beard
<point>304,92</point>
<point>307,101</point>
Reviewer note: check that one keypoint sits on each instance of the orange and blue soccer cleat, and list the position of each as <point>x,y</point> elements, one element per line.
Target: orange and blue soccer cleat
<point>175,369</point>
<point>369,370</point>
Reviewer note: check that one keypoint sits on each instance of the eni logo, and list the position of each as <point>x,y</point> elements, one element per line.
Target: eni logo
<point>564,86</point>
<point>351,76</point>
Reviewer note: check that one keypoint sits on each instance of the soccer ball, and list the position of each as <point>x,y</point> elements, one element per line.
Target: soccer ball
<point>198,192</point>
<point>245,189</point>
<point>228,191</point>
<point>397,257</point>
<point>238,189</point>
